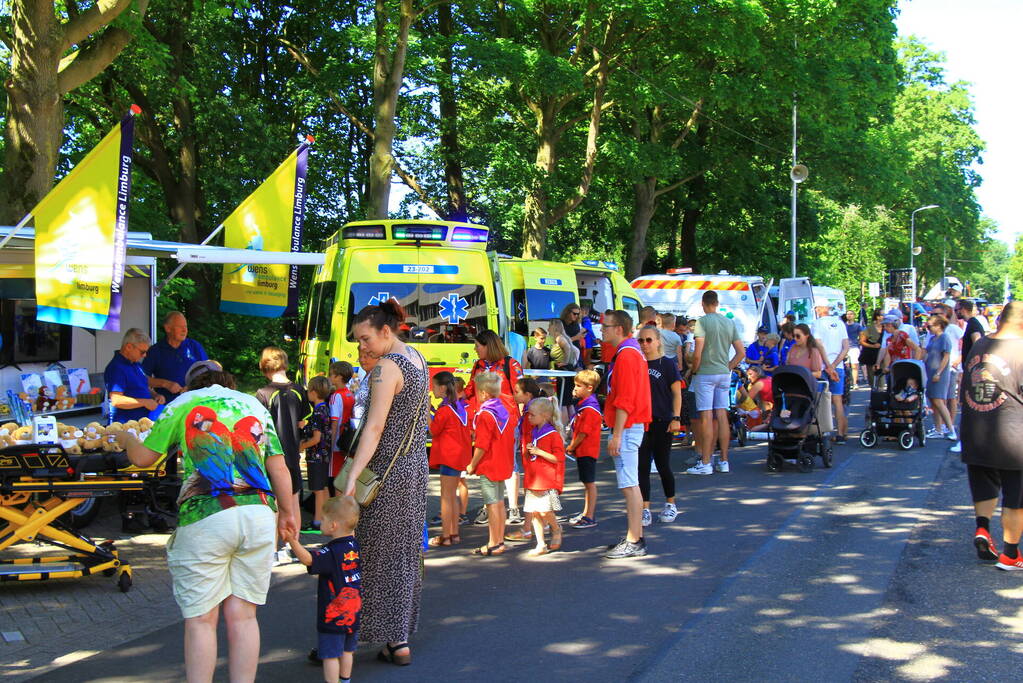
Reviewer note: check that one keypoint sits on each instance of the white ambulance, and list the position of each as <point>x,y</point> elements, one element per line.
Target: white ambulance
<point>742,298</point>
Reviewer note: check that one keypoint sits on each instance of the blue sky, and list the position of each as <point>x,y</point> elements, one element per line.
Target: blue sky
<point>980,39</point>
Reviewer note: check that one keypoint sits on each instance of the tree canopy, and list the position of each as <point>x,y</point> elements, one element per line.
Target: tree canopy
<point>653,133</point>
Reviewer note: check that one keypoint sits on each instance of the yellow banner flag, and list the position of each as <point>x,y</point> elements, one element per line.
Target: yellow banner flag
<point>80,231</point>
<point>269,219</point>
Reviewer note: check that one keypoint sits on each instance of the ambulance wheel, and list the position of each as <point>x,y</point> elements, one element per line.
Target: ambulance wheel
<point>806,463</point>
<point>83,515</point>
<point>868,438</point>
<point>124,582</point>
<point>906,440</point>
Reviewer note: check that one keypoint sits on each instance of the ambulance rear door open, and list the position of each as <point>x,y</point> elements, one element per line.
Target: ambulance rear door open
<point>796,294</point>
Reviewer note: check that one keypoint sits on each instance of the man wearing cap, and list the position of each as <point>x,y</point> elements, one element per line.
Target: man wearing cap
<point>235,498</point>
<point>169,360</point>
<point>833,340</point>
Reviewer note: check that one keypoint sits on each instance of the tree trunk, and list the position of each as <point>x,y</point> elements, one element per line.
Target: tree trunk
<point>388,71</point>
<point>642,214</point>
<point>35,110</point>
<point>534,221</point>
<point>457,207</point>
<point>42,72</point>
<point>690,217</point>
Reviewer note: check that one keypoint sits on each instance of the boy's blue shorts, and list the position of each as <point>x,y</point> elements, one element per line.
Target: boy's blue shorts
<point>331,645</point>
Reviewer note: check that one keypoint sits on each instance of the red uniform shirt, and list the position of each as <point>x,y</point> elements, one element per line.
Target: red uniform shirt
<point>628,386</point>
<point>587,421</point>
<point>508,379</point>
<point>342,402</point>
<point>539,473</point>
<point>452,438</point>
<point>496,438</point>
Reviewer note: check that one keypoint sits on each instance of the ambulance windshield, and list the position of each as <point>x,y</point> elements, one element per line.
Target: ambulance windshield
<point>436,313</point>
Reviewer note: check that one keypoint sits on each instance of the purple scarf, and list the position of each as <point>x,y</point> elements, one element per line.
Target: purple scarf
<point>459,409</point>
<point>628,342</point>
<point>495,407</point>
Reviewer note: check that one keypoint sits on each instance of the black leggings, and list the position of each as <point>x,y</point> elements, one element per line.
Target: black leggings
<point>656,446</point>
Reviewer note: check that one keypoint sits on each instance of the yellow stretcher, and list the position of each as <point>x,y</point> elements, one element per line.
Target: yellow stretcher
<point>39,484</point>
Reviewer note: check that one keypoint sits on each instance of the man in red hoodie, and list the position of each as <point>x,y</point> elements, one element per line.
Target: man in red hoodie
<point>627,413</point>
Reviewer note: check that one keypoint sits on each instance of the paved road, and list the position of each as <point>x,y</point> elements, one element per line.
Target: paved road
<point>861,572</point>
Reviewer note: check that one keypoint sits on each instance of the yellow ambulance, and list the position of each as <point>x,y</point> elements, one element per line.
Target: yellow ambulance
<point>451,289</point>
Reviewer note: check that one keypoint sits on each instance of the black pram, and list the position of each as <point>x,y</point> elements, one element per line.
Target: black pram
<point>889,417</point>
<point>795,431</point>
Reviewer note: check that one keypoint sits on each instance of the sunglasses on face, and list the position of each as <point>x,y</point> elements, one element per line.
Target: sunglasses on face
<point>646,340</point>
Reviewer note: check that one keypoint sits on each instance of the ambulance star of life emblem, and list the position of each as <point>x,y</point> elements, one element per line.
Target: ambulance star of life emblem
<point>454,309</point>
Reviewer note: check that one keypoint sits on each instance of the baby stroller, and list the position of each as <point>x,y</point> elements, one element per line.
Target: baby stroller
<point>795,430</point>
<point>901,420</point>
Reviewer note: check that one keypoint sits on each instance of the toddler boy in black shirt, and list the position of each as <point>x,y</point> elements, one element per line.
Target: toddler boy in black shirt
<point>339,595</point>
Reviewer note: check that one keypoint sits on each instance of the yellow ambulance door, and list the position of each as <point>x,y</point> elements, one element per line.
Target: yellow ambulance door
<point>316,349</point>
<point>549,287</point>
<point>626,298</point>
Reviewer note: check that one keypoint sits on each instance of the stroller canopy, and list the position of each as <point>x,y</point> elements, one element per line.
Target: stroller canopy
<point>793,380</point>
<point>901,370</point>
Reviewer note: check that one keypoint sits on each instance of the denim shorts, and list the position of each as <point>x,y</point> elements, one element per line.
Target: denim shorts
<point>711,391</point>
<point>448,471</point>
<point>627,460</point>
<point>837,388</point>
<point>331,645</point>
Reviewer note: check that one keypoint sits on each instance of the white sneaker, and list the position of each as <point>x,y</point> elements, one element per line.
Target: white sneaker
<point>934,434</point>
<point>647,519</point>
<point>700,468</point>
<point>951,435</point>
<point>957,448</point>
<point>721,466</point>
<point>668,514</point>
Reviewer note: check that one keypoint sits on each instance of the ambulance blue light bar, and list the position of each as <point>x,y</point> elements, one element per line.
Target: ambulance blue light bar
<point>364,232</point>
<point>434,233</point>
<point>466,234</point>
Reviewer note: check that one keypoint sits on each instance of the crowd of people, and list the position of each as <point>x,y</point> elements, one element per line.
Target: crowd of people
<point>241,456</point>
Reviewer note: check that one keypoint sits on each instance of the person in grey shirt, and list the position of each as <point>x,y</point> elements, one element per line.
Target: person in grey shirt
<point>712,374</point>
<point>669,340</point>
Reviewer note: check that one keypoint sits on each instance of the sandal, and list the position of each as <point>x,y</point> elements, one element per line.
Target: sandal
<point>389,654</point>
<point>488,550</point>
<point>439,542</point>
<point>555,543</point>
<point>519,536</point>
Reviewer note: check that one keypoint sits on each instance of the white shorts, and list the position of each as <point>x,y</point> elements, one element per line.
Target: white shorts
<point>711,392</point>
<point>541,501</point>
<point>228,553</point>
<point>854,355</point>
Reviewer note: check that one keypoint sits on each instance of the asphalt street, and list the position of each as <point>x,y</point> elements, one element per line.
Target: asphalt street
<point>865,571</point>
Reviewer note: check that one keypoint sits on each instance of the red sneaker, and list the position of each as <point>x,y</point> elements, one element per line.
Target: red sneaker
<point>985,546</point>
<point>1009,564</point>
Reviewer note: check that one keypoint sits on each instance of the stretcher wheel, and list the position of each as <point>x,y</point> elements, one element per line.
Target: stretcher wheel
<point>124,582</point>
<point>83,515</point>
<point>906,440</point>
<point>868,438</point>
<point>806,464</point>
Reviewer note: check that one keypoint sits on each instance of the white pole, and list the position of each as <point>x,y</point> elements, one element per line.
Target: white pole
<point>14,231</point>
<point>795,185</point>
<point>177,270</point>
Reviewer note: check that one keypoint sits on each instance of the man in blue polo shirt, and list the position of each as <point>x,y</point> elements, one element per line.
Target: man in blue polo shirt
<point>127,385</point>
<point>169,360</point>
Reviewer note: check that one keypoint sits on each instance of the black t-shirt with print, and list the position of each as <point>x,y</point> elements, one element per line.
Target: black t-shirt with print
<point>663,373</point>
<point>339,595</point>
<point>992,404</point>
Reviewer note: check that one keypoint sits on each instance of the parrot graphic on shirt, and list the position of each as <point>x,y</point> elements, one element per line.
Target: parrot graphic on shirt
<point>209,446</point>
<point>248,439</point>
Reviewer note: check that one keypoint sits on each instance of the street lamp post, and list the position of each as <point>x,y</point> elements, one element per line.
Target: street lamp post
<point>912,233</point>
